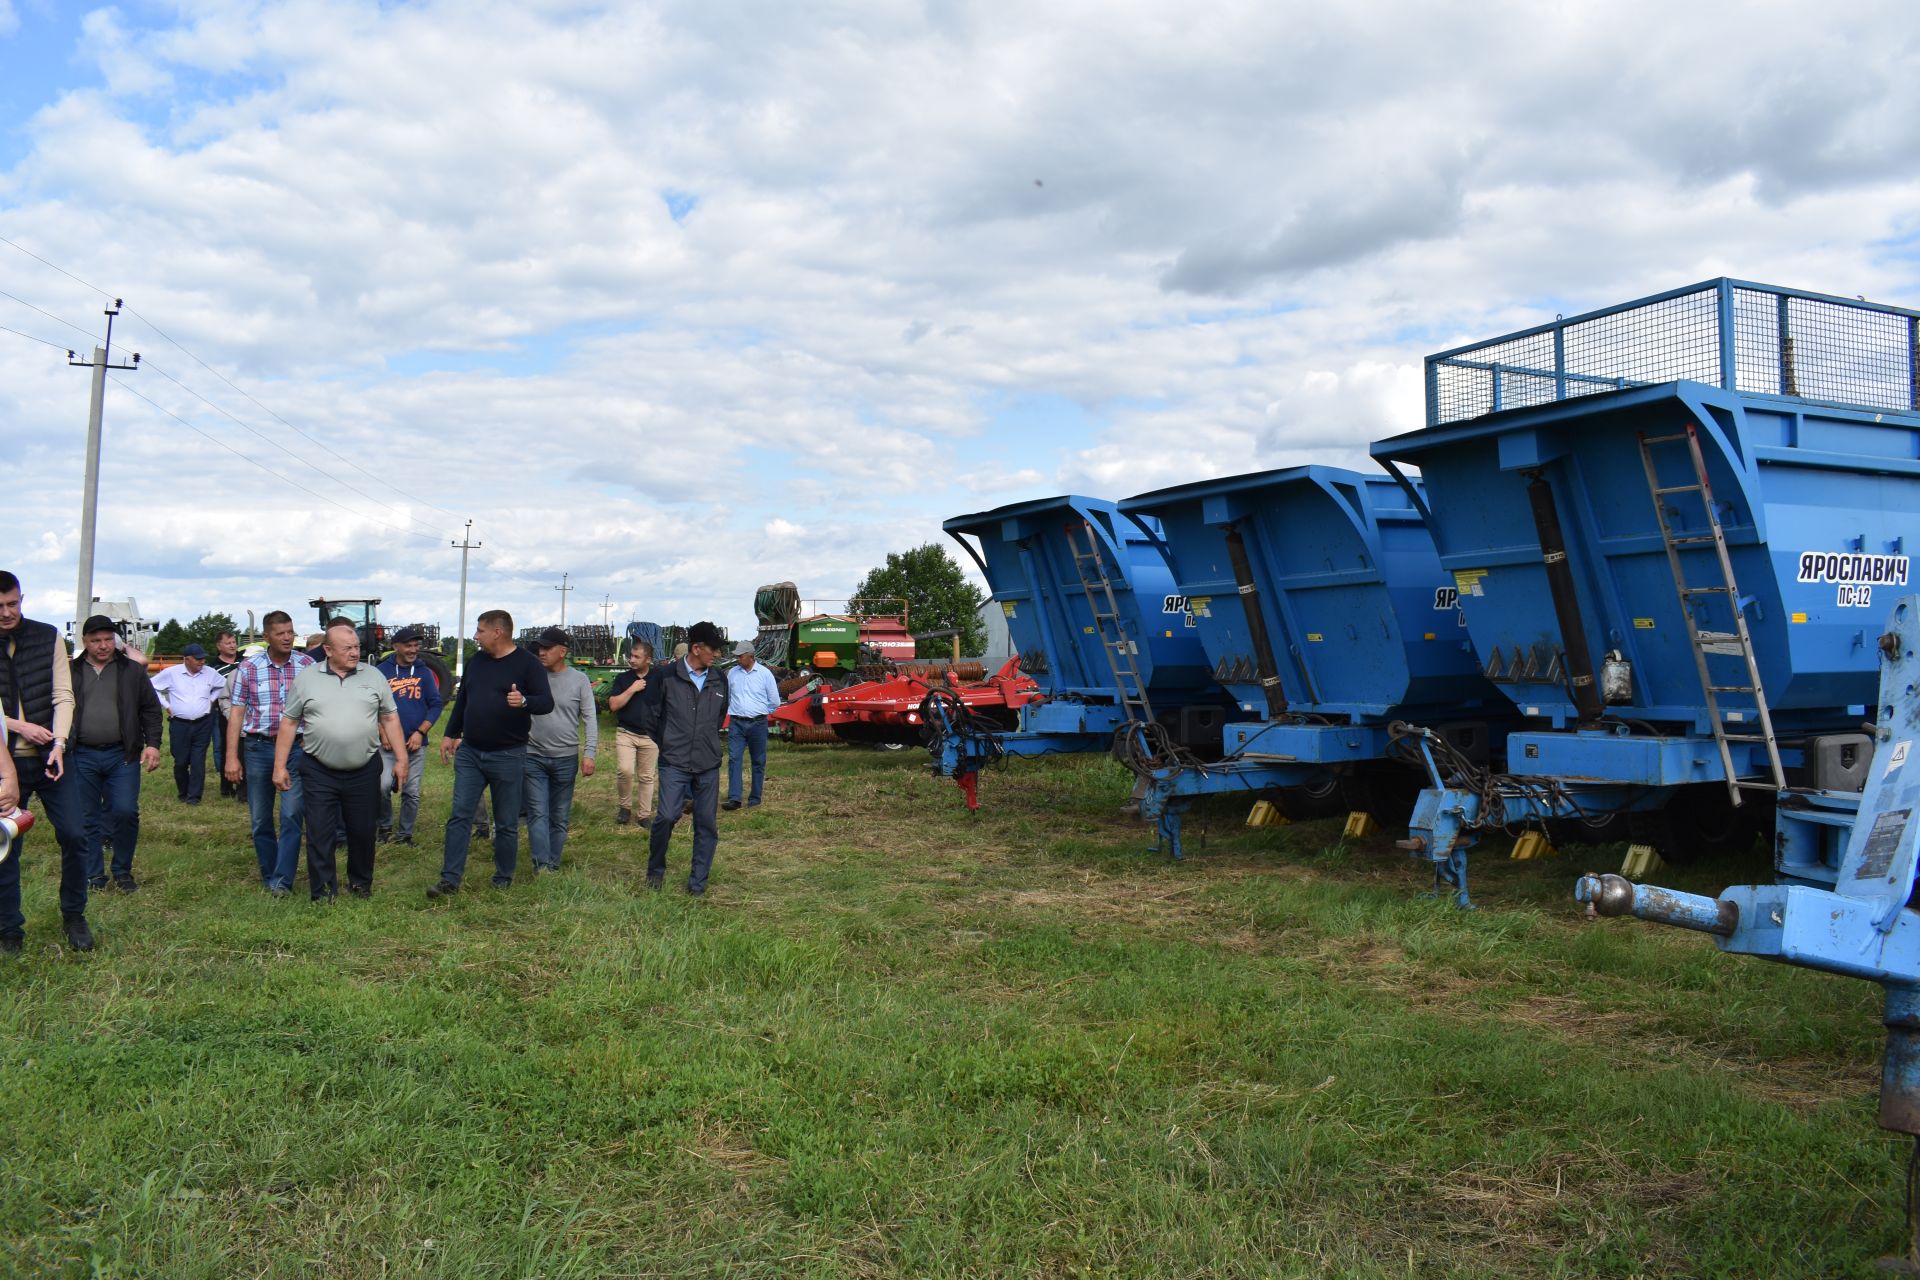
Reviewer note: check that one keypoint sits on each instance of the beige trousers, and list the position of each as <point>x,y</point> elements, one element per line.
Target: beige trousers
<point>634,762</point>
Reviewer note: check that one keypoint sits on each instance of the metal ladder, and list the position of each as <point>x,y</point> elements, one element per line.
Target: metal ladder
<point>1737,643</point>
<point>1106,622</point>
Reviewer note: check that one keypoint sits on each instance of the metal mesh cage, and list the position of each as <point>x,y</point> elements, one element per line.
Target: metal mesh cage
<point>1751,338</point>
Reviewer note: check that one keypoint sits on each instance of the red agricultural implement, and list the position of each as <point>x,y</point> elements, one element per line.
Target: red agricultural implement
<point>888,712</point>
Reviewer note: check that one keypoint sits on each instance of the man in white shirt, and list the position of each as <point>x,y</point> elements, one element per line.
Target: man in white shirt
<point>190,693</point>
<point>752,693</point>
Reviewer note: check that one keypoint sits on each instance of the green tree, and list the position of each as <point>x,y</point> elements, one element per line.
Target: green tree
<point>172,638</point>
<point>938,597</point>
<point>206,629</point>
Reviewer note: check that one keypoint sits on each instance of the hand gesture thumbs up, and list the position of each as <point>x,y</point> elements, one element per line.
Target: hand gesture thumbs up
<point>514,697</point>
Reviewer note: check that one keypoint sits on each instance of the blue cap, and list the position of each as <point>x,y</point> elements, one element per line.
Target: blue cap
<point>193,651</point>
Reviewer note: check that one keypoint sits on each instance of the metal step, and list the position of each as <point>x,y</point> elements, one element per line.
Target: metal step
<point>1678,435</point>
<point>1663,490</point>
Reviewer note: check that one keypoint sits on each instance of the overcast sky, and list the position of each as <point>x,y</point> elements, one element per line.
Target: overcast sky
<point>683,298</point>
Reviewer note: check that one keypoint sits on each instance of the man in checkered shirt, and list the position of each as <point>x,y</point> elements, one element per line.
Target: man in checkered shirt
<point>260,688</point>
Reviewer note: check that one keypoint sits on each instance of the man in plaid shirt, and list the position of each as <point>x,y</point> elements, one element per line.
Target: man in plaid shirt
<point>260,687</point>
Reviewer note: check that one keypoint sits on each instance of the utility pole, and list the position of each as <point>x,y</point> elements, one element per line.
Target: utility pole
<point>466,545</point>
<point>606,612</point>
<point>90,498</point>
<point>563,588</point>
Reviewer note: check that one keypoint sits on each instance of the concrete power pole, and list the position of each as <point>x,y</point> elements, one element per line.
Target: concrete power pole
<point>606,611</point>
<point>563,588</point>
<point>90,497</point>
<point>466,545</point>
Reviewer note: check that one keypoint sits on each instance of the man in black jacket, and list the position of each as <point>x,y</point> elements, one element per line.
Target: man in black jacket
<point>693,707</point>
<point>634,699</point>
<point>36,694</point>
<point>116,732</point>
<point>503,689</point>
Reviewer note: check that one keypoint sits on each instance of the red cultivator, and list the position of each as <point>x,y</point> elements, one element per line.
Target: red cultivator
<point>889,712</point>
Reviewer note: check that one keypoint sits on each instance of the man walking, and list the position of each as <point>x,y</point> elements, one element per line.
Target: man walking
<point>36,695</point>
<point>503,689</point>
<point>190,693</point>
<point>553,750</point>
<point>416,692</point>
<point>752,694</point>
<point>635,702</point>
<point>260,687</point>
<point>693,706</point>
<point>341,710</point>
<point>225,661</point>
<point>116,732</point>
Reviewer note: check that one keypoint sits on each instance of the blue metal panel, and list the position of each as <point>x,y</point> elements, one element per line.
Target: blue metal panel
<point>1358,612</point>
<point>1023,551</point>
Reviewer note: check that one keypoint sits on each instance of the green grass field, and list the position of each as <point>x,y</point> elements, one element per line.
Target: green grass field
<point>897,1040</point>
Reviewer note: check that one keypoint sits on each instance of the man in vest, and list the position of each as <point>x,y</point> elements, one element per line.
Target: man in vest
<point>36,692</point>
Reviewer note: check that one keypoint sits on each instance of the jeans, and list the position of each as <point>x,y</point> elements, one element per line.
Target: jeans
<point>69,829</point>
<point>549,798</point>
<point>504,774</point>
<point>340,800</point>
<point>636,759</point>
<point>189,739</point>
<point>104,774</point>
<point>409,791</point>
<point>676,784</point>
<point>279,855</point>
<point>744,737</point>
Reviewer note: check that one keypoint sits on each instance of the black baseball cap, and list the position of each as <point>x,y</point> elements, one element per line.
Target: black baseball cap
<point>97,623</point>
<point>554,636</point>
<point>707,634</point>
<point>405,635</point>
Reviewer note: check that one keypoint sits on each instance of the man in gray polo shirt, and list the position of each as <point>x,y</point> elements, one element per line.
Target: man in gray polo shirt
<point>346,708</point>
<point>553,751</point>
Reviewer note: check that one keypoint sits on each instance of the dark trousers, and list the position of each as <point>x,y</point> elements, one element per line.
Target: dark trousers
<point>748,737</point>
<point>103,776</point>
<point>340,800</point>
<point>504,774</point>
<point>189,740</point>
<point>676,785</point>
<point>69,829</point>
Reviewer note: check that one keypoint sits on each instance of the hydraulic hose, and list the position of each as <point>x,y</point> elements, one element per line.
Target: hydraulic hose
<point>1566,599</point>
<point>1256,624</point>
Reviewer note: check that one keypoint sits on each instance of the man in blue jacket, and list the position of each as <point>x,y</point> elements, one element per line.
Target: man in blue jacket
<point>416,692</point>
<point>693,707</point>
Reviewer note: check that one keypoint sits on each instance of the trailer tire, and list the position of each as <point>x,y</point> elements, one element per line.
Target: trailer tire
<point>1698,822</point>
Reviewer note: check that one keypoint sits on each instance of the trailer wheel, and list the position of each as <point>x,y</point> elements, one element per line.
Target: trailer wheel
<point>1386,791</point>
<point>1699,822</point>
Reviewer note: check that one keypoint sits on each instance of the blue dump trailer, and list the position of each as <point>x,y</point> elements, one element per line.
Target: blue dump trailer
<point>1094,616</point>
<point>1861,926</point>
<point>1324,612</point>
<point>1673,526</point>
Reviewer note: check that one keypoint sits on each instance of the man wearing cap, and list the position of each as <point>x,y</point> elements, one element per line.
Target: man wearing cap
<point>553,750</point>
<point>504,688</point>
<point>260,687</point>
<point>225,660</point>
<point>190,693</point>
<point>346,710</point>
<point>634,699</point>
<point>36,696</point>
<point>752,694</point>
<point>416,692</point>
<point>116,733</point>
<point>693,706</point>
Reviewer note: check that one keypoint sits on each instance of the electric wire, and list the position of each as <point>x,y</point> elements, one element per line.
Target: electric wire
<point>49,315</point>
<point>31,338</point>
<point>125,386</point>
<point>56,266</point>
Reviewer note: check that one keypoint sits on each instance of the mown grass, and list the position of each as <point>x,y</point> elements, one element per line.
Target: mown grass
<point>901,1040</point>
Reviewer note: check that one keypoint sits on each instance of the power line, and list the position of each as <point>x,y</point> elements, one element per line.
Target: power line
<point>49,315</point>
<point>275,443</point>
<point>62,270</point>
<point>269,470</point>
<point>57,346</point>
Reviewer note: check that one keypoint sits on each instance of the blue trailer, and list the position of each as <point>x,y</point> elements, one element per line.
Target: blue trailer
<point>1861,926</point>
<point>1667,522</point>
<point>1324,612</point>
<point>1093,614</point>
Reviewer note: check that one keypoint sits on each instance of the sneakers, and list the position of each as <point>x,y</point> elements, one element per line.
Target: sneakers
<point>543,869</point>
<point>407,839</point>
<point>11,941</point>
<point>445,889</point>
<point>731,805</point>
<point>654,882</point>
<point>383,836</point>
<point>79,937</point>
<point>500,883</point>
<point>753,804</point>
<point>622,818</point>
<point>278,891</point>
<point>126,884</point>
<point>98,884</point>
<point>482,831</point>
<point>360,890</point>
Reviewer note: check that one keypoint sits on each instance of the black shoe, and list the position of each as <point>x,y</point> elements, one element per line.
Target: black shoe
<point>126,884</point>
<point>327,897</point>
<point>193,799</point>
<point>507,883</point>
<point>11,941</point>
<point>753,804</point>
<point>383,836</point>
<point>731,805</point>
<point>360,890</point>
<point>278,891</point>
<point>696,893</point>
<point>79,937</point>
<point>542,869</point>
<point>403,840</point>
<point>98,884</point>
<point>622,818</point>
<point>654,882</point>
<point>445,889</point>
<point>482,831</point>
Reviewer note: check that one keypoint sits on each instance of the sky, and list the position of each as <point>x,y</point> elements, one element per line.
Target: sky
<point>676,299</point>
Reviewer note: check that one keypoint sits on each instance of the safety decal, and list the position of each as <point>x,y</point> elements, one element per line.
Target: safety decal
<point>1895,757</point>
<point>1315,637</point>
<point>1468,581</point>
<point>1006,607</point>
<point>1643,624</point>
<point>1883,842</point>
